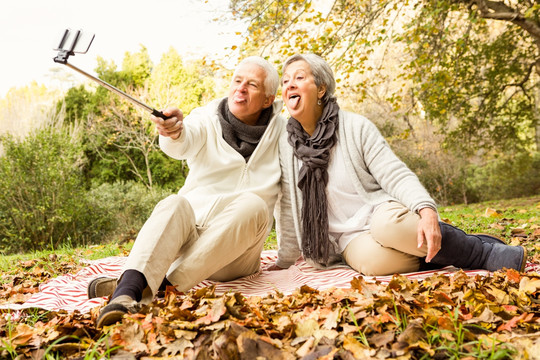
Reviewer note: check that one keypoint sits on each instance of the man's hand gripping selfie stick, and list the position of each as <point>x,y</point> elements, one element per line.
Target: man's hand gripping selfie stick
<point>75,41</point>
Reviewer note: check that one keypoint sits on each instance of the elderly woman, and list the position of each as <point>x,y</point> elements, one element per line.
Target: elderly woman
<point>346,197</point>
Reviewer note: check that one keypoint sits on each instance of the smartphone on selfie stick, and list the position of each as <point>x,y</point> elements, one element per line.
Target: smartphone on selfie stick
<point>77,42</point>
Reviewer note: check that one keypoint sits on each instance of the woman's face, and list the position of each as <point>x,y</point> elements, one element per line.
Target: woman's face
<point>300,93</point>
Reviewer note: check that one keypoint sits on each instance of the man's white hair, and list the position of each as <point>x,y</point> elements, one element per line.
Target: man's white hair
<point>271,81</point>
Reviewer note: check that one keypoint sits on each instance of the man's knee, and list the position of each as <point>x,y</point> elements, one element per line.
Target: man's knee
<point>175,203</point>
<point>254,206</point>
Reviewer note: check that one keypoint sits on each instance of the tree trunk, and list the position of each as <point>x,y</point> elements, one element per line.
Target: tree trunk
<point>537,102</point>
<point>537,116</point>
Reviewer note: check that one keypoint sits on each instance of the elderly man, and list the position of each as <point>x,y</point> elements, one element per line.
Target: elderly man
<point>215,227</point>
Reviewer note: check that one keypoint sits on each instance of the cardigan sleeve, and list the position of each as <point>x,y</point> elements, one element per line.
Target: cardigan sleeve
<point>380,168</point>
<point>288,245</point>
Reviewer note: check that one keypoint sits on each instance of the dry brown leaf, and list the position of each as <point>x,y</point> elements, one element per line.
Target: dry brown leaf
<point>414,332</point>
<point>512,322</point>
<point>496,226</point>
<point>518,232</point>
<point>306,328</point>
<point>130,336</point>
<point>215,312</point>
<point>22,335</point>
<point>381,340</point>
<point>487,316</point>
<point>306,347</point>
<point>529,286</point>
<point>359,350</point>
<point>492,213</point>
<point>332,317</point>
<point>443,298</point>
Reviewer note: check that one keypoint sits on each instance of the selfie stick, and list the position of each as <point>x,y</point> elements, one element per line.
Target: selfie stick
<point>67,48</point>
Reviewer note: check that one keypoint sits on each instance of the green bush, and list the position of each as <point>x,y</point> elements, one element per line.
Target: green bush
<point>444,175</point>
<point>127,205</point>
<point>168,172</point>
<point>44,203</point>
<point>506,177</point>
<point>452,179</point>
<point>113,166</point>
<point>42,198</point>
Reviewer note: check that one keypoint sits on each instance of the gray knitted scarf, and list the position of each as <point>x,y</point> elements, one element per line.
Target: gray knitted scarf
<point>240,136</point>
<point>314,152</point>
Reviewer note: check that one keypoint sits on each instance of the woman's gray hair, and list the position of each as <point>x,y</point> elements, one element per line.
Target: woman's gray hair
<point>271,82</point>
<point>321,71</point>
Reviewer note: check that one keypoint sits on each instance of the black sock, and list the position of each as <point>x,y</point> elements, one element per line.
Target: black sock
<point>132,284</point>
<point>164,285</point>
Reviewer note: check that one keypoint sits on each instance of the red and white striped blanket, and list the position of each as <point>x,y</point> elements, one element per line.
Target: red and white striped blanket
<point>68,292</point>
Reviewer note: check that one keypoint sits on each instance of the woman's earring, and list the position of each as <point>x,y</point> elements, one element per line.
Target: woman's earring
<point>319,102</point>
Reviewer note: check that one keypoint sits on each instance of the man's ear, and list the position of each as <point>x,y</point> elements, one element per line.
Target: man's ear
<point>269,101</point>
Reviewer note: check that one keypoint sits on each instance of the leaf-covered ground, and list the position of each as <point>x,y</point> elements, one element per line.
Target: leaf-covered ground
<point>441,317</point>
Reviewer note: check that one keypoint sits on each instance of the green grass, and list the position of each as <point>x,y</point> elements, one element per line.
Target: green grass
<point>66,253</point>
<point>271,241</point>
<point>510,214</point>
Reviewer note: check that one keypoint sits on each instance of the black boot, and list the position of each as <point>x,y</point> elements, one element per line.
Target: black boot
<point>489,238</point>
<point>477,251</point>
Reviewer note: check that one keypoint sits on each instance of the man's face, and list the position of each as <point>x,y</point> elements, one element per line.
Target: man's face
<point>247,93</point>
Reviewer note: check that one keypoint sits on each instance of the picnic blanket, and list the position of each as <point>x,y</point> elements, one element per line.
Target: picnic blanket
<point>68,292</point>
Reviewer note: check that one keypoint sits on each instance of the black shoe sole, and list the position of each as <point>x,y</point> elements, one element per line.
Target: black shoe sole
<point>111,314</point>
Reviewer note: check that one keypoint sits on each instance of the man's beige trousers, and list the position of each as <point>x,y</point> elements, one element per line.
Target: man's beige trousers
<point>226,247</point>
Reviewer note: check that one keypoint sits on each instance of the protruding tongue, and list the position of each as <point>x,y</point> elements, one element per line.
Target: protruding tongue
<point>293,102</point>
<point>239,99</point>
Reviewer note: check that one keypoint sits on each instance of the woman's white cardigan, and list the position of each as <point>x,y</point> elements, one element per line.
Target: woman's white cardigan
<point>377,173</point>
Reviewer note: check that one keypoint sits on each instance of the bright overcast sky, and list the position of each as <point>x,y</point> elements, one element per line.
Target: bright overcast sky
<point>30,29</point>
